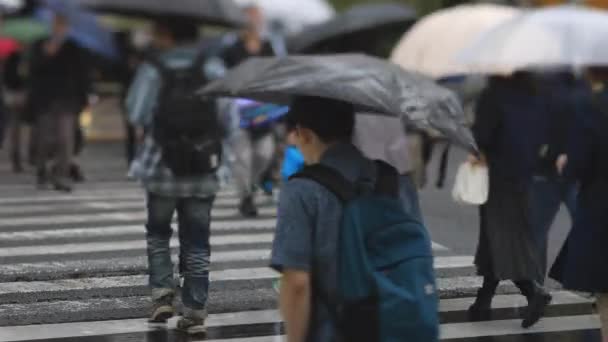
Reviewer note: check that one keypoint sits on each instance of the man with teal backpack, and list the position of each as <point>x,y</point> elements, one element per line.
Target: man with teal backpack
<point>355,266</point>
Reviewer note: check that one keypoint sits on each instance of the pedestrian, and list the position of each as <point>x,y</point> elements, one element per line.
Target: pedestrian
<point>253,147</point>
<point>508,116</point>
<point>58,92</point>
<point>548,189</point>
<point>308,244</point>
<point>176,165</point>
<point>581,264</point>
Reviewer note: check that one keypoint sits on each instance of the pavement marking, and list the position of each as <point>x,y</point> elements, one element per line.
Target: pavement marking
<point>242,274</point>
<point>513,327</point>
<point>137,202</point>
<point>81,194</point>
<point>112,216</point>
<point>511,301</point>
<point>448,331</point>
<point>95,247</point>
<point>67,330</point>
<point>117,231</point>
<point>139,244</point>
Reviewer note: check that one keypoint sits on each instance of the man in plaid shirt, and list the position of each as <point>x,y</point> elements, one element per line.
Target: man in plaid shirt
<point>191,197</point>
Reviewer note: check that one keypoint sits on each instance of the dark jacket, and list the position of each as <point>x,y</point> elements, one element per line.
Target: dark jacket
<point>61,80</point>
<point>582,262</point>
<point>510,115</point>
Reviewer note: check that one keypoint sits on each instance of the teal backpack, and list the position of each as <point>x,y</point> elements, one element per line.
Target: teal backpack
<point>386,287</point>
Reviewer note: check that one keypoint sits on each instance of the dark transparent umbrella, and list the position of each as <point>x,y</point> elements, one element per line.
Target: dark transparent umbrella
<point>216,12</point>
<point>371,84</point>
<point>359,21</point>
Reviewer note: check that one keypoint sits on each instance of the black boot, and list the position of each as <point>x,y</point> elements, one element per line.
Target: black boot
<point>538,300</point>
<point>248,208</point>
<point>481,310</point>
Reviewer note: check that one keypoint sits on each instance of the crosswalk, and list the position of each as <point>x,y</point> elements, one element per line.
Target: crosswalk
<point>73,268</point>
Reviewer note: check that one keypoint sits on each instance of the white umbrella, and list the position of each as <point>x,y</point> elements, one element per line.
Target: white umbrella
<point>430,45</point>
<point>294,15</point>
<point>552,37</point>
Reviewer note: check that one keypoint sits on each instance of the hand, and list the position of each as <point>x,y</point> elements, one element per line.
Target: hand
<point>561,163</point>
<point>477,160</point>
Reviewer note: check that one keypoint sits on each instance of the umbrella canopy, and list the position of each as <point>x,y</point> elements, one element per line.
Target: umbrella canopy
<point>371,84</point>
<point>357,20</point>
<point>24,30</point>
<point>8,47</point>
<point>293,15</point>
<point>551,37</point>
<point>85,29</point>
<point>216,12</point>
<point>431,45</point>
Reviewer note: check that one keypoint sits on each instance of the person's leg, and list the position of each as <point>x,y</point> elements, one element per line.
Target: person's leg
<point>64,150</point>
<point>537,298</point>
<point>242,171</point>
<point>158,237</point>
<point>44,141</point>
<point>545,201</point>
<point>409,196</point>
<point>194,216</point>
<point>602,307</point>
<point>15,142</point>
<point>481,310</point>
<point>264,149</point>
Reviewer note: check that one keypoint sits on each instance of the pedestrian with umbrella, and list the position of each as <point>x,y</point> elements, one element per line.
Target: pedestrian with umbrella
<point>322,208</point>
<point>508,129</point>
<point>253,146</point>
<point>59,86</point>
<point>581,264</point>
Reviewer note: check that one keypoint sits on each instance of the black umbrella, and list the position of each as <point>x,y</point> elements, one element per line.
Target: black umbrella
<point>216,12</point>
<point>345,29</point>
<point>372,84</point>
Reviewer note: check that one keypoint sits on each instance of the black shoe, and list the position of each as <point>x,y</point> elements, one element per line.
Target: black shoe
<point>536,309</point>
<point>76,174</point>
<point>61,187</point>
<point>247,207</point>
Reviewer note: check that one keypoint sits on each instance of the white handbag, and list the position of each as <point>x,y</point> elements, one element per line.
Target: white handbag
<point>472,184</point>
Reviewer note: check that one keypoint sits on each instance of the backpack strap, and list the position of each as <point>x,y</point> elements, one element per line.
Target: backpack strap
<point>329,178</point>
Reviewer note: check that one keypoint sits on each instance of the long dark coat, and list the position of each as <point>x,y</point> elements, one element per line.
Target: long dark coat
<point>583,262</point>
<point>509,118</point>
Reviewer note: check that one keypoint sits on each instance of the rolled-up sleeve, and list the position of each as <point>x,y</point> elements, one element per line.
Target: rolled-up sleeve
<point>142,96</point>
<point>292,247</point>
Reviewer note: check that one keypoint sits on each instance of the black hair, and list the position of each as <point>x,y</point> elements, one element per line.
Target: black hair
<point>331,120</point>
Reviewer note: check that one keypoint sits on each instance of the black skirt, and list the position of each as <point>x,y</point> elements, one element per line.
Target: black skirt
<point>506,249</point>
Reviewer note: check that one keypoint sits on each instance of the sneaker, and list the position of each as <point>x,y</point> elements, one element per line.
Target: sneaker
<point>163,309</point>
<point>193,322</point>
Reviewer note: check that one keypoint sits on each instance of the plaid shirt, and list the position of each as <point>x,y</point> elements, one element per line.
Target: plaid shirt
<point>149,167</point>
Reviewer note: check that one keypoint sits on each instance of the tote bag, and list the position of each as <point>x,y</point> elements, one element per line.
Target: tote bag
<point>472,184</point>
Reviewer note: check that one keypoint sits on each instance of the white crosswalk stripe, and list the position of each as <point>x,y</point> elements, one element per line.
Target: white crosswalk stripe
<point>76,265</point>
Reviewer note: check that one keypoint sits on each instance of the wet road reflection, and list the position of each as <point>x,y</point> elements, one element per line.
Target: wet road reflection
<point>238,334</point>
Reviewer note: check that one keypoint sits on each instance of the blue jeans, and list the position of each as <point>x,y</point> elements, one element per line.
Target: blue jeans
<point>194,218</point>
<point>546,197</point>
<point>409,196</point>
